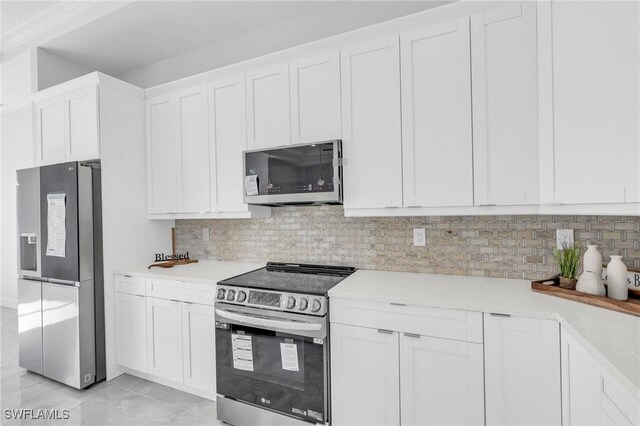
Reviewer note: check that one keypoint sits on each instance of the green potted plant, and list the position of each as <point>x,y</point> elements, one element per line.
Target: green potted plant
<point>568,260</point>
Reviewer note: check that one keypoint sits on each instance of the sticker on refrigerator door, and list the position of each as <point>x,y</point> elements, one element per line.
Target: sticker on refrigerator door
<point>242,352</point>
<point>56,225</point>
<point>289,354</point>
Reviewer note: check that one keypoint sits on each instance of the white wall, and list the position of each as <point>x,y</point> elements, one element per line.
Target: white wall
<point>52,69</point>
<point>316,25</point>
<point>16,151</point>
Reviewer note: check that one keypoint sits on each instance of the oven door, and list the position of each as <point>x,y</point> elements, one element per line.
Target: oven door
<point>275,360</point>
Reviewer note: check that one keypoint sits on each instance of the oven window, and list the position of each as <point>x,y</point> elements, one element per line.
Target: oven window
<point>292,170</point>
<point>268,356</point>
<point>279,371</point>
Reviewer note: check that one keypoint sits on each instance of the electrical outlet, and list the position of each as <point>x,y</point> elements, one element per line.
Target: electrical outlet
<point>205,234</point>
<point>564,238</point>
<point>419,237</point>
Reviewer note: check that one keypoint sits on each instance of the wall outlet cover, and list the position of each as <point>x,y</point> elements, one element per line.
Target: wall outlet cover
<point>205,234</point>
<point>564,238</point>
<point>419,237</point>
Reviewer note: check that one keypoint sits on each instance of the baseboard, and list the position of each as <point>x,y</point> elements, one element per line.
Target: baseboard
<point>171,384</point>
<point>7,302</point>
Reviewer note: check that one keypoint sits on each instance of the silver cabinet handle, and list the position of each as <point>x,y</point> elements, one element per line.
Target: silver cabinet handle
<point>413,335</point>
<point>383,331</point>
<point>398,304</point>
<point>127,276</point>
<point>496,314</point>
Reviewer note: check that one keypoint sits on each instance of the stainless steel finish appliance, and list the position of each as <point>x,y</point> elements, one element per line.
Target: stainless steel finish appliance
<point>297,174</point>
<point>272,346</point>
<point>60,289</point>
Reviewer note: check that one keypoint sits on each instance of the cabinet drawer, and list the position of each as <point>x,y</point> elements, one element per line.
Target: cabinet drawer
<point>130,284</point>
<point>200,293</point>
<point>164,289</point>
<point>434,322</point>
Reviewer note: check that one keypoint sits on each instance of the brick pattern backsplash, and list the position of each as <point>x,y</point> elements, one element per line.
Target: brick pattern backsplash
<point>492,246</point>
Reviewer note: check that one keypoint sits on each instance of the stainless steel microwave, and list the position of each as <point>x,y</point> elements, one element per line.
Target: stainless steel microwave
<point>297,174</point>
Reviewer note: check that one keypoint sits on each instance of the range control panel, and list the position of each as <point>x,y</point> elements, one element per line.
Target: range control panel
<point>275,300</point>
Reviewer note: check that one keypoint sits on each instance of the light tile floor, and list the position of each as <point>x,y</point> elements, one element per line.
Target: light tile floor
<point>126,400</point>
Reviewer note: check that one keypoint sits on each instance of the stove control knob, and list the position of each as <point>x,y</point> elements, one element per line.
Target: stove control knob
<point>221,293</point>
<point>291,302</point>
<point>316,305</point>
<point>231,294</point>
<point>304,304</point>
<point>242,296</point>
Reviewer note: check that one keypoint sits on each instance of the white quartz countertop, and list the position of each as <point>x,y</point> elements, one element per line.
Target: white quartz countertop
<point>612,338</point>
<point>205,271</point>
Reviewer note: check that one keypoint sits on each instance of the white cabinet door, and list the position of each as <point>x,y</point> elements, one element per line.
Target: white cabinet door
<point>193,142</point>
<point>436,116</point>
<point>268,113</point>
<point>522,371</point>
<point>164,338</point>
<point>505,105</point>
<point>131,331</point>
<point>83,139</point>
<point>228,120</point>
<point>50,132</point>
<point>364,376</point>
<point>579,384</point>
<point>162,154</point>
<point>589,55</point>
<point>198,334</point>
<point>371,125</point>
<point>441,381</point>
<point>315,98</point>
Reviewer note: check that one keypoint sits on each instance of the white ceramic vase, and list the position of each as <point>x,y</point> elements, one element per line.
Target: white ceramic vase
<point>617,279</point>
<point>591,283</point>
<point>592,261</point>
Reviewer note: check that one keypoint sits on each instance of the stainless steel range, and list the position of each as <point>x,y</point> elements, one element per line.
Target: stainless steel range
<point>272,346</point>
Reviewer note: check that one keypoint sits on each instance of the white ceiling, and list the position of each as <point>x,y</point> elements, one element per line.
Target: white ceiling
<point>146,32</point>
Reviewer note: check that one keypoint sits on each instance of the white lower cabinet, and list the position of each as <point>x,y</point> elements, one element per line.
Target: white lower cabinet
<point>522,371</point>
<point>167,337</point>
<point>441,381</point>
<point>198,343</point>
<point>364,376</point>
<point>164,335</point>
<point>394,377</point>
<point>131,331</point>
<point>590,396</point>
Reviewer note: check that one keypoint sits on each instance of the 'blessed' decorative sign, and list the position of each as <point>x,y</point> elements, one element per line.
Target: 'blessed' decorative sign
<point>166,257</point>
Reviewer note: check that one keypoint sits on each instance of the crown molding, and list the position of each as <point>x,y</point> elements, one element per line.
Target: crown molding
<point>53,22</point>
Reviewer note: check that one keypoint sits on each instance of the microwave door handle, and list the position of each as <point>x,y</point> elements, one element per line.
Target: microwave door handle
<point>268,322</point>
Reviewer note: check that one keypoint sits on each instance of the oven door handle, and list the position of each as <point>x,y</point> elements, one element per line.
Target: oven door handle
<point>268,322</point>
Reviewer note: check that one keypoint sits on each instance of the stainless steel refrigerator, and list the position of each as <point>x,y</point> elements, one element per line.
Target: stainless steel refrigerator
<point>60,285</point>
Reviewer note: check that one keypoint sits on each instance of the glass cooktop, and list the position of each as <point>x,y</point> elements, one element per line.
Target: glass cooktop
<point>295,278</point>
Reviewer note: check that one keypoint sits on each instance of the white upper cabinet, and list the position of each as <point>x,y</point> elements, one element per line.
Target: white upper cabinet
<point>81,107</point>
<point>589,120</point>
<point>268,112</point>
<point>193,138</point>
<point>505,90</point>
<point>315,98</point>
<point>371,124</point>
<point>441,381</point>
<point>437,145</point>
<point>228,138</point>
<point>162,156</point>
<point>522,371</point>
<point>67,127</point>
<point>50,136</point>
